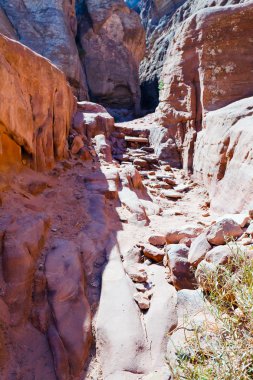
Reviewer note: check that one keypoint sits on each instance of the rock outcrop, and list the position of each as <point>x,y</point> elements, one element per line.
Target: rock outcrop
<point>36,108</point>
<point>49,28</point>
<point>162,20</point>
<point>224,148</point>
<point>112,43</point>
<point>197,81</point>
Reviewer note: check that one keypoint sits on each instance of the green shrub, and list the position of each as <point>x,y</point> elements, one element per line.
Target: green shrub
<point>226,351</point>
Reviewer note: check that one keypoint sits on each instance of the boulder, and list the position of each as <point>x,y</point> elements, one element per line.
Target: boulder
<point>162,304</point>
<point>120,338</point>
<point>142,301</point>
<point>199,249</point>
<point>249,230</point>
<point>219,255</point>
<point>92,119</point>
<point>153,253</point>
<point>182,275</point>
<point>137,272</point>
<point>225,229</point>
<point>157,240</point>
<point>172,194</point>
<point>226,135</point>
<point>241,219</point>
<point>77,144</point>
<point>204,275</point>
<point>174,235</point>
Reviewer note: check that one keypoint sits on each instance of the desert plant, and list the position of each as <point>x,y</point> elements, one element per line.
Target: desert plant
<point>160,85</point>
<point>224,352</point>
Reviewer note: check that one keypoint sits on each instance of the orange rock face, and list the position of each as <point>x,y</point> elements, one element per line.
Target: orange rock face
<point>36,107</point>
<point>48,27</point>
<point>208,67</point>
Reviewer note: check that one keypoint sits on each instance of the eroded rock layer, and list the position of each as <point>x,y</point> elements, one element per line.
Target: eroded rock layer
<point>207,68</point>
<point>161,20</point>
<point>36,107</point>
<point>49,28</point>
<point>112,41</point>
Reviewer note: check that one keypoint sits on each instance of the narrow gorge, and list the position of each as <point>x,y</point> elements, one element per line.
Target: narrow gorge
<point>126,203</point>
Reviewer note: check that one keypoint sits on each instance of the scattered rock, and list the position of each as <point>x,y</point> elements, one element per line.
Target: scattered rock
<point>204,273</point>
<point>174,235</point>
<point>199,249</point>
<point>171,194</point>
<point>157,240</point>
<point>186,241</point>
<point>153,253</point>
<point>241,219</point>
<point>182,275</point>
<point>142,287</point>
<point>246,241</point>
<point>219,255</point>
<point>167,168</point>
<point>137,273</point>
<point>142,301</point>
<point>225,229</point>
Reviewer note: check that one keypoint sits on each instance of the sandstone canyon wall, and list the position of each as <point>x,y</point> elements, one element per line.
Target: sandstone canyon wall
<point>161,20</point>
<point>36,107</point>
<point>49,28</point>
<point>112,43</point>
<point>208,66</point>
<point>100,61</point>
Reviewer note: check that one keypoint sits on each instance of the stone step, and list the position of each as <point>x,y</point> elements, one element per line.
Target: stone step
<point>136,139</point>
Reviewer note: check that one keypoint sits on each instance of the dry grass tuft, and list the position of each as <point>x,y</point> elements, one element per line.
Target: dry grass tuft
<point>226,352</point>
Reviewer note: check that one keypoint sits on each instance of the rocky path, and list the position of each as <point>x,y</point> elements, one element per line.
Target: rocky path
<point>111,231</point>
<point>138,303</point>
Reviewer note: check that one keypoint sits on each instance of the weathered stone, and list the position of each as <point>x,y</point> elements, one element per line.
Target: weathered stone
<point>182,275</point>
<point>42,106</point>
<point>22,243</point>
<point>199,249</point>
<point>142,301</point>
<point>157,240</point>
<point>153,253</point>
<point>137,272</point>
<point>171,194</point>
<point>77,144</point>
<point>204,275</point>
<point>49,28</point>
<point>219,255</point>
<point>174,235</point>
<point>241,219</point>
<point>107,30</point>
<point>225,229</point>
<point>69,305</point>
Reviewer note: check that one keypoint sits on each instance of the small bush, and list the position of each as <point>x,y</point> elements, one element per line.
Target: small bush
<point>224,352</point>
<point>160,85</point>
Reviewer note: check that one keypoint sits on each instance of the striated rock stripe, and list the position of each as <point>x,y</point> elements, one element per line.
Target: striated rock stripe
<point>36,107</point>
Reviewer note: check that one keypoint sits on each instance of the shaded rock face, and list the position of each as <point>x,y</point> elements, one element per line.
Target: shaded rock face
<point>161,20</point>
<point>49,28</point>
<point>112,43</point>
<point>36,108</point>
<point>196,78</point>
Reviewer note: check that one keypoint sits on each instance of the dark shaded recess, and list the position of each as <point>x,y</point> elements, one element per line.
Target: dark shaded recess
<point>149,95</point>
